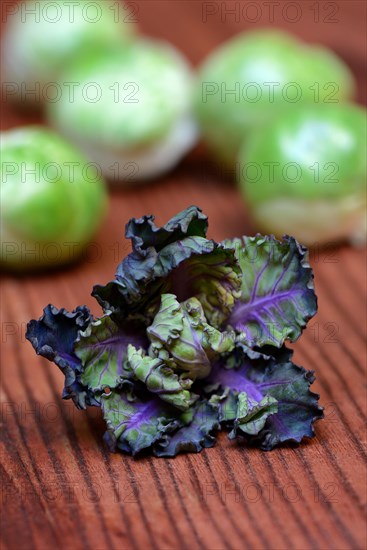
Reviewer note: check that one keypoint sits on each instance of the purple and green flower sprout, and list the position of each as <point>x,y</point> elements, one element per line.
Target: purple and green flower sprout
<point>191,341</point>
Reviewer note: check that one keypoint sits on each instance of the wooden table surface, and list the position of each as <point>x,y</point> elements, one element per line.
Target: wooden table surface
<point>62,489</point>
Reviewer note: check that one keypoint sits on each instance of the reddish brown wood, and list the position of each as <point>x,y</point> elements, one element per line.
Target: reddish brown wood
<point>62,489</point>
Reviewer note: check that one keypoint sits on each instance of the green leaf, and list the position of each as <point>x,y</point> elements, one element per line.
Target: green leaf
<point>177,259</point>
<point>135,422</point>
<point>160,379</point>
<point>53,336</point>
<point>268,381</point>
<point>252,415</point>
<point>180,331</point>
<point>102,350</point>
<point>144,233</point>
<point>198,434</point>
<point>277,293</point>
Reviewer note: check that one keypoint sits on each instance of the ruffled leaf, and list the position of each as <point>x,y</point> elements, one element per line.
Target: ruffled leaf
<point>252,415</point>
<point>178,259</point>
<point>53,336</point>
<point>135,423</point>
<point>197,435</point>
<point>144,234</point>
<point>181,330</point>
<point>265,377</point>
<point>160,379</point>
<point>102,349</point>
<point>277,297</point>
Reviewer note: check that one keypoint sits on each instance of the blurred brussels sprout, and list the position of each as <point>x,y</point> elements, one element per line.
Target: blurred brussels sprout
<point>131,111</point>
<point>52,199</point>
<point>253,76</point>
<point>42,37</point>
<point>304,174</point>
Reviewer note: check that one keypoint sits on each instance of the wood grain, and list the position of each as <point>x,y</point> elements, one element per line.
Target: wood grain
<point>61,488</point>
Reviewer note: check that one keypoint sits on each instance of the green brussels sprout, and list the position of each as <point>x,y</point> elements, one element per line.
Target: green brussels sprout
<point>131,110</point>
<point>52,199</point>
<point>304,173</point>
<point>255,75</point>
<point>42,37</point>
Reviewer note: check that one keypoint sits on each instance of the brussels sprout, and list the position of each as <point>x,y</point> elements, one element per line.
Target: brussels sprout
<point>304,173</point>
<point>52,199</point>
<point>43,37</point>
<point>131,111</point>
<point>253,76</point>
